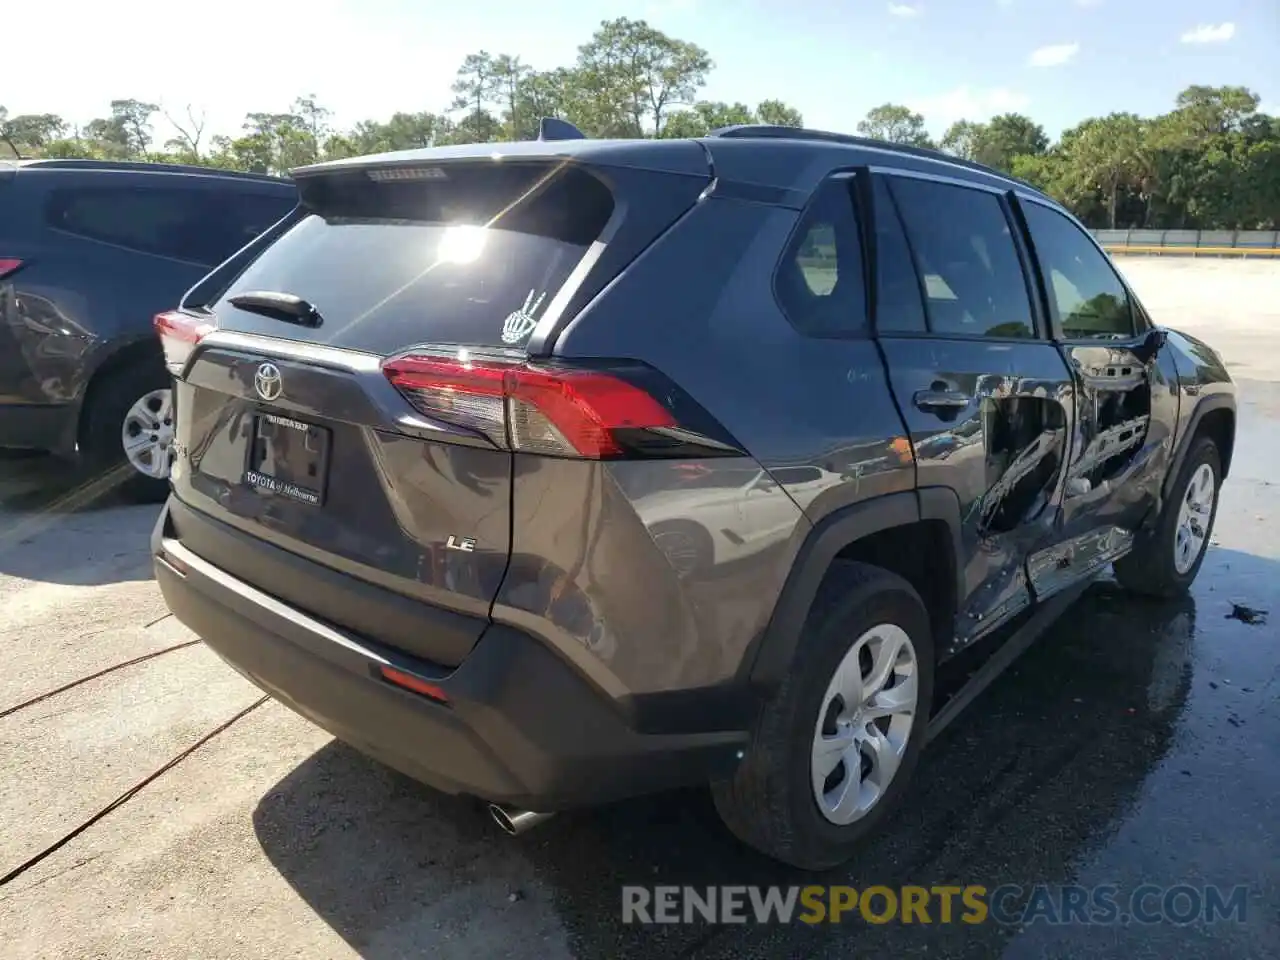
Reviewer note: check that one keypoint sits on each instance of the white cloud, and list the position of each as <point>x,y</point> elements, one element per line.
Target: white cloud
<point>968,103</point>
<point>1208,33</point>
<point>903,10</point>
<point>1054,55</point>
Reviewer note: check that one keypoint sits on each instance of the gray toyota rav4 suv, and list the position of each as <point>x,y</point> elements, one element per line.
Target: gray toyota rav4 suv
<point>553,473</point>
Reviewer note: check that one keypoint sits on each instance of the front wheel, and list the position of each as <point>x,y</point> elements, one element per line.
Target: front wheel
<point>1164,562</point>
<point>834,748</point>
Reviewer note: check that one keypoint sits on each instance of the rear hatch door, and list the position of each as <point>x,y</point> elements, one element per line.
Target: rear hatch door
<point>290,430</point>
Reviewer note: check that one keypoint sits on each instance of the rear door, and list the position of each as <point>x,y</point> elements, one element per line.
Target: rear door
<point>986,396</point>
<point>1127,395</point>
<point>290,427</point>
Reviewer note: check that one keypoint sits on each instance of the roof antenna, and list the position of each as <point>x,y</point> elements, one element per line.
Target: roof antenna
<point>553,128</point>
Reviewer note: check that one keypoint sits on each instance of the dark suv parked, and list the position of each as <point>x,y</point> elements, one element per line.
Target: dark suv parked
<point>557,472</point>
<point>89,252</point>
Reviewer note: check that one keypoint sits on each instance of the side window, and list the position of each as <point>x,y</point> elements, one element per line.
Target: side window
<point>899,307</point>
<point>819,282</point>
<point>166,222</point>
<point>1085,294</point>
<point>964,251</point>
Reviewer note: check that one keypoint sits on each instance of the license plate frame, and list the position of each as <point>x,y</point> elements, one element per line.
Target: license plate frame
<point>288,458</point>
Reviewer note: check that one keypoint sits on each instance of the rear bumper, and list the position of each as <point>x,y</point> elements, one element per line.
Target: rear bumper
<point>521,726</point>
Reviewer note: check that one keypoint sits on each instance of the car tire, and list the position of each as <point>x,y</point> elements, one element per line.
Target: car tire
<point>111,409</point>
<point>1159,564</point>
<point>773,800</point>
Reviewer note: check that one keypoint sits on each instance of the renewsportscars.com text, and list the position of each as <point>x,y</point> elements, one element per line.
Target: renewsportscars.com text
<point>1009,904</point>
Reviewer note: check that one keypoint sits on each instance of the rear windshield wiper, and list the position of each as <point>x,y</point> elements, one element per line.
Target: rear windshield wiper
<point>282,306</point>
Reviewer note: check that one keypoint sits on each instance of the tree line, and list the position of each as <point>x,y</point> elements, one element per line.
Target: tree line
<point>1212,162</point>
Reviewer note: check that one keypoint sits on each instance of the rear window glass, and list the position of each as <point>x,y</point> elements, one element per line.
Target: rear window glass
<point>469,256</point>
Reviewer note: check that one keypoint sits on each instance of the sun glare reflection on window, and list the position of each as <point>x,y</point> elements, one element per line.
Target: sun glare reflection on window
<point>462,243</point>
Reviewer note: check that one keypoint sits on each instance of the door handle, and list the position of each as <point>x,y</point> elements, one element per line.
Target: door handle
<point>952,400</point>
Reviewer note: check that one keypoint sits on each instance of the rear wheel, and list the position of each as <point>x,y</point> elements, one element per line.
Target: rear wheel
<point>835,747</point>
<point>127,428</point>
<point>1164,562</point>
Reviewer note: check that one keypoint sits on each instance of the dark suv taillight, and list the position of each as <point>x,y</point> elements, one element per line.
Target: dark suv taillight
<point>179,334</point>
<point>560,411</point>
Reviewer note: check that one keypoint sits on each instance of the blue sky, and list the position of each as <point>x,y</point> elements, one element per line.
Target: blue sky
<point>1057,60</point>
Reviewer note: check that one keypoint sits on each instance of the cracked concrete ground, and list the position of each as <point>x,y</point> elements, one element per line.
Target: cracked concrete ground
<point>1136,742</point>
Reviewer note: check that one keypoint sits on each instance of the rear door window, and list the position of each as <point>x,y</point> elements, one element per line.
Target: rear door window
<point>964,251</point>
<point>467,255</point>
<point>162,221</point>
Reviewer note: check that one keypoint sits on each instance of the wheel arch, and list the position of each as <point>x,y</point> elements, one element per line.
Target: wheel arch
<point>914,533</point>
<point>127,356</point>
<point>1214,416</point>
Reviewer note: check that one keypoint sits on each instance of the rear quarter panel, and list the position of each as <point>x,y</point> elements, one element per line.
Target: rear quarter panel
<point>699,306</point>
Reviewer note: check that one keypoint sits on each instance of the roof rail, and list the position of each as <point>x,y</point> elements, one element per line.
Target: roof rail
<point>772,131</point>
<point>143,166</point>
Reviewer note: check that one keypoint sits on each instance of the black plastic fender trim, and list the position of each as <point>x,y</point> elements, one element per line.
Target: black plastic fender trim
<point>777,645</point>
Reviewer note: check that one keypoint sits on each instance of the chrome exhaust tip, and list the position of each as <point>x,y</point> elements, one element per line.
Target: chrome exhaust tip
<point>516,822</point>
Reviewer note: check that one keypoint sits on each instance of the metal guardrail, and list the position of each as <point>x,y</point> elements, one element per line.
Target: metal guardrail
<point>1191,243</point>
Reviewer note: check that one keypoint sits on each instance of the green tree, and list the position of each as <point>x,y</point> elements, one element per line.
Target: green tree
<point>640,73</point>
<point>1107,155</point>
<point>998,142</point>
<point>963,139</point>
<point>706,116</point>
<point>107,138</point>
<point>778,114</point>
<point>475,88</point>
<point>30,134</point>
<point>895,124</point>
<point>510,76</point>
<point>190,129</point>
<point>1010,135</point>
<point>1207,110</point>
<point>314,121</point>
<point>131,119</point>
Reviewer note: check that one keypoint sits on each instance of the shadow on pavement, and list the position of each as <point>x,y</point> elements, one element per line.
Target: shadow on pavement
<point>1039,775</point>
<point>59,528</point>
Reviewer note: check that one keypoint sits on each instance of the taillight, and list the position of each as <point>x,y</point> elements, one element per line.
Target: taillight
<point>179,333</point>
<point>8,265</point>
<point>558,411</point>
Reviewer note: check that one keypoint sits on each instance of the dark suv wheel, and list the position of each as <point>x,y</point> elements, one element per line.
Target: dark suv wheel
<point>1165,561</point>
<point>128,419</point>
<point>835,747</point>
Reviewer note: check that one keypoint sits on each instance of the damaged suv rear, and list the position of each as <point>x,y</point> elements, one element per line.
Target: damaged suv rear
<point>554,473</point>
<point>413,523</point>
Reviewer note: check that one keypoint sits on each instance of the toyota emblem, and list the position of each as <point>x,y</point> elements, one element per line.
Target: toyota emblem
<point>268,381</point>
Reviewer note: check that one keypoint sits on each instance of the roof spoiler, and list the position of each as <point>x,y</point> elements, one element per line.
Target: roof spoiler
<point>553,128</point>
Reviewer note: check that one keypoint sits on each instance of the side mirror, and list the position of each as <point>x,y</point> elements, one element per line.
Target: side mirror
<point>1150,345</point>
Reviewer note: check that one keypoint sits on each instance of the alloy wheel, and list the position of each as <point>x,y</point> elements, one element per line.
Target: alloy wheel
<point>864,724</point>
<point>147,434</point>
